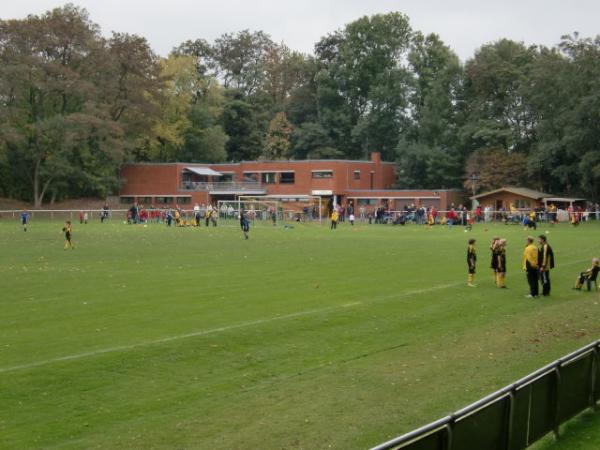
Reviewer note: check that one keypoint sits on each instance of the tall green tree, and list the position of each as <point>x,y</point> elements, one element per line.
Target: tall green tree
<point>277,142</point>
<point>497,111</point>
<point>239,121</point>
<point>429,154</point>
<point>565,93</point>
<point>69,117</point>
<point>364,85</point>
<point>205,140</point>
<point>240,59</point>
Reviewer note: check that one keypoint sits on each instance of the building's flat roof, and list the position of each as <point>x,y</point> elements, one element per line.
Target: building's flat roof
<point>397,197</point>
<point>285,161</point>
<point>154,195</point>
<point>403,190</point>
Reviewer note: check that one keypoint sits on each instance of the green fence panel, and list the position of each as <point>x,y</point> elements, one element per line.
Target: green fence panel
<point>520,419</point>
<point>524,413</point>
<point>541,420</point>
<point>435,441</point>
<point>575,387</point>
<point>485,429</point>
<point>597,388</point>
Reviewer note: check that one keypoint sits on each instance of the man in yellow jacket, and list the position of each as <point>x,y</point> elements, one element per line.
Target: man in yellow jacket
<point>530,265</point>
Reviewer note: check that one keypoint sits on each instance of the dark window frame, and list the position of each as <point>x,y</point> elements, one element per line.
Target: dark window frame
<point>322,174</point>
<point>284,180</point>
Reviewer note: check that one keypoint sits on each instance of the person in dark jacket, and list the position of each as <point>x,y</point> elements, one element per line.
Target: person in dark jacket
<point>545,262</point>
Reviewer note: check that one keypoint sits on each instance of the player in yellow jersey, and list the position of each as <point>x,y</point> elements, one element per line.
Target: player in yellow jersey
<point>68,235</point>
<point>334,218</point>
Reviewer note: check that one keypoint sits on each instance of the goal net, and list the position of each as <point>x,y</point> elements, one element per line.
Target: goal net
<point>271,210</point>
<point>257,211</point>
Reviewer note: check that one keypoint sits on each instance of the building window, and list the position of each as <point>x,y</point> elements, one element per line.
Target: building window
<point>367,201</point>
<point>127,200</point>
<point>144,200</point>
<point>251,176</point>
<point>287,178</point>
<point>322,174</point>
<point>184,200</point>
<point>268,177</point>
<point>357,175</point>
<point>226,178</point>
<point>521,203</point>
<point>163,200</point>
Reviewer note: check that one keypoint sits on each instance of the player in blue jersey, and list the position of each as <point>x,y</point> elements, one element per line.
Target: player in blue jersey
<point>24,219</point>
<point>244,224</point>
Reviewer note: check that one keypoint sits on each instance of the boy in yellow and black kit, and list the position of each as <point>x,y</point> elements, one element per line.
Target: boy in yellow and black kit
<point>545,262</point>
<point>68,232</point>
<point>501,264</point>
<point>494,263</point>
<point>471,261</point>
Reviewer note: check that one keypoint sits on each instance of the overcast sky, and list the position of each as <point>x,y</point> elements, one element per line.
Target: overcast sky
<point>464,25</point>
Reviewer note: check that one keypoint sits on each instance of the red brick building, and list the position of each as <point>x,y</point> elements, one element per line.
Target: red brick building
<point>341,181</point>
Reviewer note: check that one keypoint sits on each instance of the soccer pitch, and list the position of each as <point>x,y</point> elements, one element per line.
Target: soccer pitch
<point>299,338</point>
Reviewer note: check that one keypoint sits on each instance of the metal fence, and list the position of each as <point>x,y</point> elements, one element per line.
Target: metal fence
<point>515,417</point>
<point>61,214</point>
<point>256,217</point>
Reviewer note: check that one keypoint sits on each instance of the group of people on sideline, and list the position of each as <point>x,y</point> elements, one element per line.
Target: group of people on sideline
<point>538,261</point>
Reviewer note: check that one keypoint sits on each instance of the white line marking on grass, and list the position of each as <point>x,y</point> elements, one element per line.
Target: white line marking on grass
<point>240,325</point>
<point>220,329</point>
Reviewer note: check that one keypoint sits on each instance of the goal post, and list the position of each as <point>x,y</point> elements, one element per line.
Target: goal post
<point>258,211</point>
<point>288,208</point>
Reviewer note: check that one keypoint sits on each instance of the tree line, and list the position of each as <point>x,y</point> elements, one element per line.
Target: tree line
<point>75,106</point>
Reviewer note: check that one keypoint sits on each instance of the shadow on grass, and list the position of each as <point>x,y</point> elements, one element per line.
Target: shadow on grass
<point>581,433</point>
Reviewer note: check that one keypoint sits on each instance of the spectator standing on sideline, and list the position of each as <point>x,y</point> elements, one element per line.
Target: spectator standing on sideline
<point>197,217</point>
<point>546,262</point>
<point>530,265</point>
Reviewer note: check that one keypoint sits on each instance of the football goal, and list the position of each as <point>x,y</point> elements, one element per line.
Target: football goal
<point>271,210</point>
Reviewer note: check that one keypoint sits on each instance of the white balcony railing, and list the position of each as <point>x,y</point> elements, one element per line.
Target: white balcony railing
<point>223,186</point>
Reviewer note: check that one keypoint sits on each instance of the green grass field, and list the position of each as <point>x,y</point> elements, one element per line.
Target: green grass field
<point>300,338</point>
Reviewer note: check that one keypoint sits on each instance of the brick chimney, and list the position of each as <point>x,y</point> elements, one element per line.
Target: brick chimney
<point>376,157</point>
